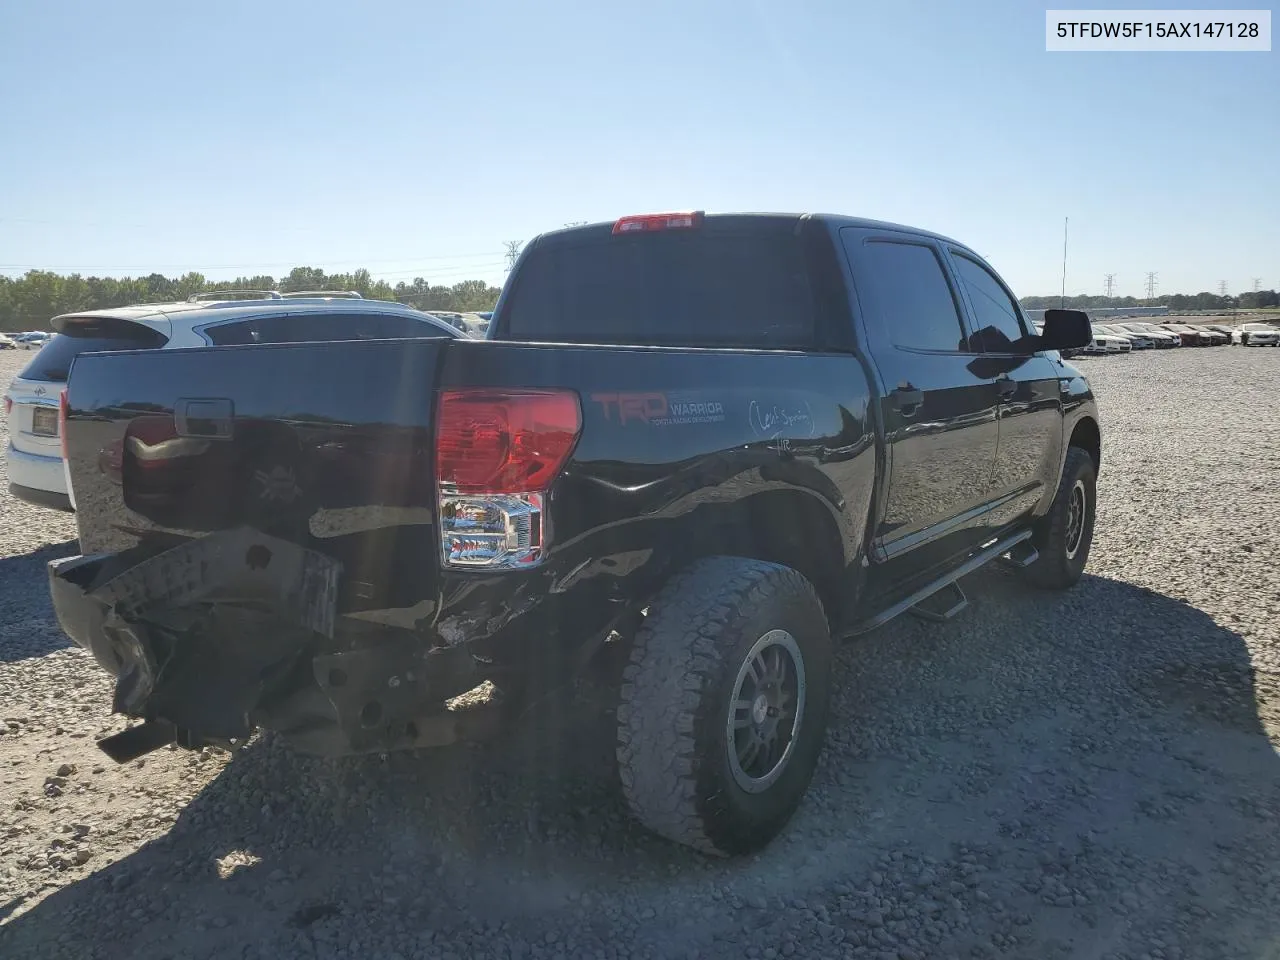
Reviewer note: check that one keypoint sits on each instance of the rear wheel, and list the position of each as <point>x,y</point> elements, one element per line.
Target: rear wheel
<point>723,705</point>
<point>1064,536</point>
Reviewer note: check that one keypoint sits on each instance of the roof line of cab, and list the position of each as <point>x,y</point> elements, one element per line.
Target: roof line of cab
<point>835,219</point>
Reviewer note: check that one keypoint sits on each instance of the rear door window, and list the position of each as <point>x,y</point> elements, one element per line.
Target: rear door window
<point>312,327</point>
<point>710,286</point>
<point>53,362</point>
<point>906,293</point>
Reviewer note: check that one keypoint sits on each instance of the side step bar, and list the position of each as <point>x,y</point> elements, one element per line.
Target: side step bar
<point>1021,556</point>
<point>941,606</point>
<point>996,550</point>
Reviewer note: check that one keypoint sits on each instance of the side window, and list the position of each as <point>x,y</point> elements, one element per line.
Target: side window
<point>254,330</point>
<point>233,334</point>
<point>997,318</point>
<point>303,327</point>
<point>905,290</point>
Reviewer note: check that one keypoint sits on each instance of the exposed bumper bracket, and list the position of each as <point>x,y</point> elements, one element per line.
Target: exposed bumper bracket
<point>136,741</point>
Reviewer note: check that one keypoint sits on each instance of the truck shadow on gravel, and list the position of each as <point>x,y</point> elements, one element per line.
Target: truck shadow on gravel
<point>1047,775</point>
<point>27,625</point>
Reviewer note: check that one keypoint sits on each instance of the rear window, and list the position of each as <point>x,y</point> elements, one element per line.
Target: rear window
<point>679,288</point>
<point>53,362</point>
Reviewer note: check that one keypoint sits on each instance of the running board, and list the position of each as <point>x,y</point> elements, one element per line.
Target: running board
<point>975,562</point>
<point>1021,556</point>
<point>941,606</point>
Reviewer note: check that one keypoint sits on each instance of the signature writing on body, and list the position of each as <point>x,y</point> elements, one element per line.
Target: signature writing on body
<point>773,421</point>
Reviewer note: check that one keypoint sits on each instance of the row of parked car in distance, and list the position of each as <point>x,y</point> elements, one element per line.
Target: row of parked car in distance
<point>1128,335</point>
<point>31,340</point>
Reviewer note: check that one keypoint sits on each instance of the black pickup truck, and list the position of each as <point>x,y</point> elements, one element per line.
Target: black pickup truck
<point>713,445</point>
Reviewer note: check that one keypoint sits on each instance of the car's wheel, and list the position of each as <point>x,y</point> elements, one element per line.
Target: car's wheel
<point>723,706</point>
<point>1063,537</point>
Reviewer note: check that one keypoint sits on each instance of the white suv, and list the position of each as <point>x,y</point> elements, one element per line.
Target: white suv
<point>36,472</point>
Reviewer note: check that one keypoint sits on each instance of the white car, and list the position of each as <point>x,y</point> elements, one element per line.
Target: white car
<point>1259,335</point>
<point>33,401</point>
<point>1161,339</point>
<point>1137,341</point>
<point>6,342</point>
<point>34,340</point>
<point>1104,343</point>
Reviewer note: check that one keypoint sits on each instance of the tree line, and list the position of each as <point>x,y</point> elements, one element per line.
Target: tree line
<point>30,301</point>
<point>1253,300</point>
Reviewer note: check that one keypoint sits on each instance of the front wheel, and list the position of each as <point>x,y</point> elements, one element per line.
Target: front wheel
<point>1063,537</point>
<point>723,706</point>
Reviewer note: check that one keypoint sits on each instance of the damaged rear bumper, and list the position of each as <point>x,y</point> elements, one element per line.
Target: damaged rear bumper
<point>219,635</point>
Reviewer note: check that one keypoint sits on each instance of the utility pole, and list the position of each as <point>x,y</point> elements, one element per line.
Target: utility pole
<point>1152,277</point>
<point>1063,301</point>
<point>1110,286</point>
<point>513,251</point>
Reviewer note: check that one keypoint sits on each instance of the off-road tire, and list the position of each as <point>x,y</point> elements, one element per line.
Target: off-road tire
<point>1063,555</point>
<point>676,694</point>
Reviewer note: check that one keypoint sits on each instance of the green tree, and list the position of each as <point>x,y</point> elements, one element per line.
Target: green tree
<point>30,301</point>
<point>303,278</point>
<point>188,284</point>
<point>36,299</point>
<point>160,289</point>
<point>473,295</point>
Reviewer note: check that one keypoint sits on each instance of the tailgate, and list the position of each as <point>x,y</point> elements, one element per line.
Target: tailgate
<point>33,421</point>
<point>325,445</point>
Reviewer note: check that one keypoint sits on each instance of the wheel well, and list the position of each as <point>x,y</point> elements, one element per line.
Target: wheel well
<point>1086,436</point>
<point>793,530</point>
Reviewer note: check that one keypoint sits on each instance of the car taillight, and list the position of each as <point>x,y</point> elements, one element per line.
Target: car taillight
<point>497,454</point>
<point>62,422</point>
<point>645,223</point>
<point>8,405</point>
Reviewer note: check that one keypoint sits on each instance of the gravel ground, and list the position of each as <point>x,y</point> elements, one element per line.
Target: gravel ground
<point>1081,775</point>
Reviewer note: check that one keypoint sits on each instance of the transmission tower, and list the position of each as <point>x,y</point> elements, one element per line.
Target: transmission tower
<point>1152,279</point>
<point>1110,285</point>
<point>1257,284</point>
<point>576,223</point>
<point>513,251</point>
<point>1222,288</point>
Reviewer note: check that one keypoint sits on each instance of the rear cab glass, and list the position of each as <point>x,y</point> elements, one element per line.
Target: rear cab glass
<point>53,362</point>
<point>725,283</point>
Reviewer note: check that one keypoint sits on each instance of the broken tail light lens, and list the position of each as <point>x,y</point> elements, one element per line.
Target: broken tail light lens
<point>497,454</point>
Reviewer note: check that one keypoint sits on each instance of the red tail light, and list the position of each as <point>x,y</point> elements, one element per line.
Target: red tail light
<point>62,422</point>
<point>499,442</point>
<point>497,453</point>
<point>659,221</point>
<point>8,405</point>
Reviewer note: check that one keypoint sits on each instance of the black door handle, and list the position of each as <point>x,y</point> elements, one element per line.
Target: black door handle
<point>1007,386</point>
<point>907,400</point>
